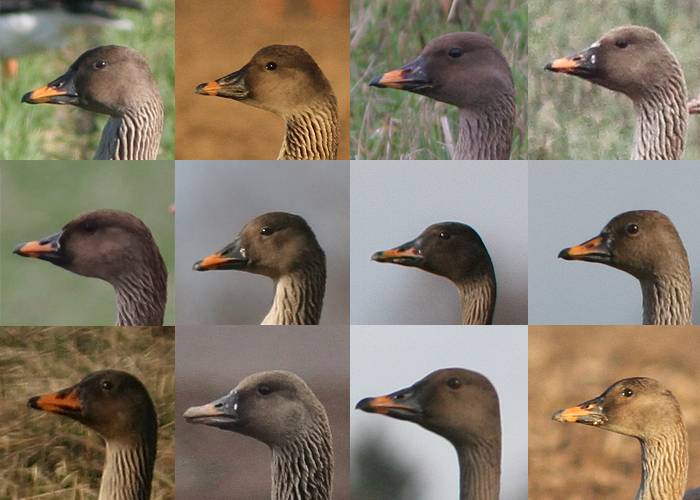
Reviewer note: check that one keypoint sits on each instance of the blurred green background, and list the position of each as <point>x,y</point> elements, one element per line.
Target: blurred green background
<point>50,132</point>
<point>572,119</point>
<point>387,34</point>
<point>38,198</point>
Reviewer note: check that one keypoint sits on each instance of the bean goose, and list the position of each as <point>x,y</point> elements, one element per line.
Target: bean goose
<point>455,251</point>
<point>645,244</point>
<point>461,406</point>
<point>286,80</point>
<point>466,70</point>
<point>29,26</point>
<point>114,81</point>
<point>282,247</point>
<point>279,409</point>
<point>118,248</point>
<point>644,409</point>
<point>117,406</point>
<point>635,61</point>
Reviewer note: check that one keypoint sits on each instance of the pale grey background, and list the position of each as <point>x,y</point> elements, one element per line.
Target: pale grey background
<point>215,199</point>
<point>392,202</point>
<point>384,359</point>
<point>571,202</point>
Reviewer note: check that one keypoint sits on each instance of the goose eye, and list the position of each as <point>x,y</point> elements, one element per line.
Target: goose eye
<point>266,231</point>
<point>633,228</point>
<point>264,390</point>
<point>621,44</point>
<point>455,53</point>
<point>628,393</point>
<point>89,227</point>
<point>272,66</point>
<point>454,383</point>
<point>445,235</point>
<point>100,64</point>
<point>107,385</point>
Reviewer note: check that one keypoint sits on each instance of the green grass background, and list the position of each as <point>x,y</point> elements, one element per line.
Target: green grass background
<point>37,199</point>
<point>387,34</point>
<point>572,119</point>
<point>50,132</point>
<point>53,457</point>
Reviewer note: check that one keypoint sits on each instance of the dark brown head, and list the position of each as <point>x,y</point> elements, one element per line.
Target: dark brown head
<point>110,79</point>
<point>275,407</point>
<point>273,244</point>
<point>463,69</point>
<point>639,407</point>
<point>448,249</point>
<point>104,244</point>
<point>633,60</point>
<point>459,405</point>
<point>643,243</point>
<point>283,79</point>
<point>113,403</point>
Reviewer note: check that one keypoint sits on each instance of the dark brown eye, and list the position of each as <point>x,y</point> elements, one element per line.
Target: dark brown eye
<point>107,385</point>
<point>266,231</point>
<point>633,228</point>
<point>628,393</point>
<point>100,64</point>
<point>455,53</point>
<point>272,66</point>
<point>89,227</point>
<point>264,389</point>
<point>621,44</point>
<point>445,235</point>
<point>454,383</point>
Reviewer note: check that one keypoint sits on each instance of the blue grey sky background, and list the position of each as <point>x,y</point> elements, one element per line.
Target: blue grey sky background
<point>216,199</point>
<point>384,359</point>
<point>571,202</point>
<point>392,202</point>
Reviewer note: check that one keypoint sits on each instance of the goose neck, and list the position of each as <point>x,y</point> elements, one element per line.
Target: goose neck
<point>667,299</point>
<point>128,470</point>
<point>303,468</point>
<point>662,116</point>
<point>664,466</point>
<point>298,297</point>
<point>480,470</point>
<point>478,296</point>
<point>135,135</point>
<point>486,134</point>
<point>312,133</point>
<point>141,298</point>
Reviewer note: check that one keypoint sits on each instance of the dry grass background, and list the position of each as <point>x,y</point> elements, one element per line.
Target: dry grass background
<point>573,119</point>
<point>572,364</point>
<point>216,39</point>
<point>387,34</point>
<point>50,456</point>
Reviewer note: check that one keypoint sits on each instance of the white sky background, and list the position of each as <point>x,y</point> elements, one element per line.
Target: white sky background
<point>384,359</point>
<point>392,202</point>
<point>216,199</point>
<point>571,202</point>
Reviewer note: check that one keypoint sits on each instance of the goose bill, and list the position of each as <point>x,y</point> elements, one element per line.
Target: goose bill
<point>411,77</point>
<point>581,64</point>
<point>222,413</point>
<point>588,413</point>
<point>407,254</point>
<point>60,91</point>
<point>232,86</point>
<point>48,249</point>
<point>400,405</point>
<point>593,250</point>
<point>65,402</point>
<point>230,257</point>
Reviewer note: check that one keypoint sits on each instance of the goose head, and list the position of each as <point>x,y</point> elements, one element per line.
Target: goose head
<point>633,60</point>
<point>457,404</point>
<point>463,69</point>
<point>111,79</point>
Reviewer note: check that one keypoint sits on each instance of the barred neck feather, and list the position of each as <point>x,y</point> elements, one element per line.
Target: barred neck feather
<point>669,299</point>
<point>486,134</point>
<point>480,470</point>
<point>142,295</point>
<point>664,465</point>
<point>128,470</point>
<point>134,135</point>
<point>662,121</point>
<point>478,296</point>
<point>313,133</point>
<point>298,297</point>
<point>303,468</point>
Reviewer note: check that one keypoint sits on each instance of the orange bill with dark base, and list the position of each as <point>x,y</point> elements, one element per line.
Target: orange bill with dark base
<point>593,246</point>
<point>58,402</point>
<point>208,410</point>
<point>397,252</point>
<point>212,260</point>
<point>43,95</point>
<point>33,249</point>
<point>393,79</point>
<point>572,414</point>
<point>211,88</point>
<point>563,65</point>
<point>381,404</point>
